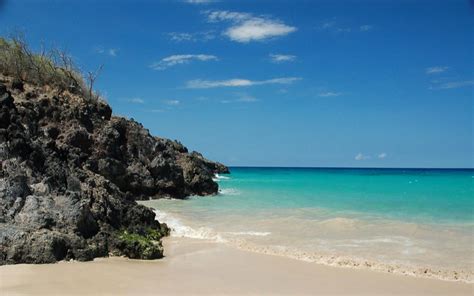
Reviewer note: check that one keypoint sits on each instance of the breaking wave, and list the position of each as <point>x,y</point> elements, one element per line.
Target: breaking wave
<point>218,177</point>
<point>178,229</point>
<point>229,191</point>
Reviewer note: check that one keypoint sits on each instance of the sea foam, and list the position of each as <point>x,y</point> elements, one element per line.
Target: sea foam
<point>218,177</point>
<point>178,229</point>
<point>229,191</point>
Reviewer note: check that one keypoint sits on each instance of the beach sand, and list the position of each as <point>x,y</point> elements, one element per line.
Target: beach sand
<point>198,267</point>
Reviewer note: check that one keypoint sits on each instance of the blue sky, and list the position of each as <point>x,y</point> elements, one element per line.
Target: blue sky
<point>278,83</point>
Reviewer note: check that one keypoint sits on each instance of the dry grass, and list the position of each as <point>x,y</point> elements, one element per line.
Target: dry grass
<point>53,68</point>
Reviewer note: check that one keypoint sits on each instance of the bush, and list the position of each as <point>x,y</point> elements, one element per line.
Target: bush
<point>53,67</point>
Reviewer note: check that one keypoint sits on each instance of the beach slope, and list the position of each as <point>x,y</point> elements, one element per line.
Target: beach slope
<point>198,267</point>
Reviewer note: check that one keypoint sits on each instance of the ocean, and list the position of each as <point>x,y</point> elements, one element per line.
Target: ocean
<point>416,222</point>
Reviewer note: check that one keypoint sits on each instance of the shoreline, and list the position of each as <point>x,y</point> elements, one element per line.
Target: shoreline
<point>353,263</point>
<point>180,230</point>
<point>194,266</point>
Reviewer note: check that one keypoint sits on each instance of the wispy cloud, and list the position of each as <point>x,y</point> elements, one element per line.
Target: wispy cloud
<point>214,16</point>
<point>327,25</point>
<point>113,52</point>
<point>245,98</point>
<point>333,27</point>
<point>282,58</point>
<point>445,82</point>
<point>136,101</point>
<point>247,27</point>
<point>453,84</point>
<point>171,102</point>
<point>200,1</point>
<point>361,156</point>
<point>107,51</point>
<point>336,27</point>
<point>155,110</point>
<point>241,98</point>
<point>329,94</point>
<point>198,83</point>
<point>436,69</point>
<point>181,59</point>
<point>191,37</point>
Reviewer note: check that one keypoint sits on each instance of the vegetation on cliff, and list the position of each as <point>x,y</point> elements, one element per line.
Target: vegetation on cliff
<point>50,67</point>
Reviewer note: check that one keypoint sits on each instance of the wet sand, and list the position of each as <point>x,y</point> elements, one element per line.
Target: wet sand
<point>194,267</point>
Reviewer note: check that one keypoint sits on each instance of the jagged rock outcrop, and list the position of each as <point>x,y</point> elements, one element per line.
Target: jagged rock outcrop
<point>70,173</point>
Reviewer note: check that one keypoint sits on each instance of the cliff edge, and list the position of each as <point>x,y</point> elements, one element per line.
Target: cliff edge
<point>70,173</point>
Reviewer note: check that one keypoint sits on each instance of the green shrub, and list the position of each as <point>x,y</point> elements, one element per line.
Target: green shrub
<point>145,245</point>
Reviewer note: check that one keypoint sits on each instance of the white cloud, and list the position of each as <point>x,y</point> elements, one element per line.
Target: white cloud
<point>172,102</point>
<point>329,94</point>
<point>136,101</point>
<point>258,29</point>
<point>454,84</point>
<point>192,37</point>
<point>365,28</point>
<point>361,156</point>
<point>247,27</point>
<point>181,59</point>
<point>176,36</point>
<point>281,58</point>
<point>436,69</point>
<point>223,15</point>
<point>198,83</point>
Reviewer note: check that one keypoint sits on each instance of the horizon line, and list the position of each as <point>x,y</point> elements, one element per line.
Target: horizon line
<point>341,167</point>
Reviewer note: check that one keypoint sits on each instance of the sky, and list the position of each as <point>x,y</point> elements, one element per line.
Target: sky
<point>278,83</point>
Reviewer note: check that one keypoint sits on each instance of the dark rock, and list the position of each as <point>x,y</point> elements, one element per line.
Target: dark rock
<point>6,99</point>
<point>73,184</point>
<point>70,173</point>
<point>3,89</point>
<point>104,111</point>
<point>78,137</point>
<point>18,85</point>
<point>52,132</point>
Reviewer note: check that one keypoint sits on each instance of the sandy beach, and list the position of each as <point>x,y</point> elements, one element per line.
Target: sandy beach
<point>198,267</point>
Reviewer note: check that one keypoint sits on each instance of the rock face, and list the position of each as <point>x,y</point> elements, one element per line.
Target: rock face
<point>70,173</point>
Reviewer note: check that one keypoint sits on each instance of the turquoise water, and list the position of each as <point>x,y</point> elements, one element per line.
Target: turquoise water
<point>401,219</point>
<point>434,196</point>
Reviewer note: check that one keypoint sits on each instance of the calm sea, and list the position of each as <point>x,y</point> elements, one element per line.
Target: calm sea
<point>411,221</point>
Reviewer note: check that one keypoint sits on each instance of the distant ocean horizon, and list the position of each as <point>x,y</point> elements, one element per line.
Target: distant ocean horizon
<point>350,168</point>
<point>416,221</point>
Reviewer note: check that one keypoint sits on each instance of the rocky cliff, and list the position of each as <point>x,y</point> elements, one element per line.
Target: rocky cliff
<point>70,173</point>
